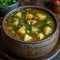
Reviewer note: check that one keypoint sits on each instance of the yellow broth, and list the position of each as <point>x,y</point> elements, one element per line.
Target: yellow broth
<point>29,25</point>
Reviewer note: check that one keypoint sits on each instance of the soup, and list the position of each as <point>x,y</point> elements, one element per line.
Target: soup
<point>29,25</point>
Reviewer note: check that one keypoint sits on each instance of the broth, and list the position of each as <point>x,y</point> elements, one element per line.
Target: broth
<point>29,25</point>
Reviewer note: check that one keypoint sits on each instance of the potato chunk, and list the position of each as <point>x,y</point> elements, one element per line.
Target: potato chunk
<point>40,36</point>
<point>41,16</point>
<point>34,29</point>
<point>21,30</point>
<point>29,16</point>
<point>49,22</point>
<point>47,30</point>
<point>8,28</point>
<point>27,38</point>
<point>31,21</point>
<point>18,14</point>
<point>15,23</point>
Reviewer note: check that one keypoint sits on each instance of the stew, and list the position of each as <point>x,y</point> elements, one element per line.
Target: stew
<point>29,25</point>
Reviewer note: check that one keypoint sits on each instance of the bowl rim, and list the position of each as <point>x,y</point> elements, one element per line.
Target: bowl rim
<point>37,7</point>
<point>9,5</point>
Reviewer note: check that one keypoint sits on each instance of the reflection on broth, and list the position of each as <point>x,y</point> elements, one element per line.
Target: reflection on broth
<point>29,25</point>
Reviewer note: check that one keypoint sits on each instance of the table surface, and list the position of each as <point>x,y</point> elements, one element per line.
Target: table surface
<point>43,4</point>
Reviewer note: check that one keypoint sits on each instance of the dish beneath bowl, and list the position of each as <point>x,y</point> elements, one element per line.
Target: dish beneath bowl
<point>5,10</point>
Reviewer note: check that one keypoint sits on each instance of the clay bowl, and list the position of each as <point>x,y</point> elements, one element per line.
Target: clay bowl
<point>33,49</point>
<point>55,7</point>
<point>5,10</point>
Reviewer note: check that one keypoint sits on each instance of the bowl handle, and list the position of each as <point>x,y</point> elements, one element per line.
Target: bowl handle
<point>56,56</point>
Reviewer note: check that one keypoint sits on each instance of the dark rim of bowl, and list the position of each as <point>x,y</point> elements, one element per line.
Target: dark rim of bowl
<point>37,7</point>
<point>9,5</point>
<point>55,3</point>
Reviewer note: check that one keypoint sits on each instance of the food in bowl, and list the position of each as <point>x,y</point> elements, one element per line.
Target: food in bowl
<point>4,3</point>
<point>29,25</point>
<point>30,49</point>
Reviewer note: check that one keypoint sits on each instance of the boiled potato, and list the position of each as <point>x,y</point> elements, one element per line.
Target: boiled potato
<point>47,30</point>
<point>34,29</point>
<point>40,36</point>
<point>18,14</point>
<point>8,28</point>
<point>49,22</point>
<point>31,21</point>
<point>41,16</point>
<point>21,30</point>
<point>27,38</point>
<point>15,23</point>
<point>29,16</point>
<point>34,22</point>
